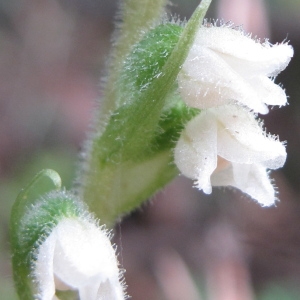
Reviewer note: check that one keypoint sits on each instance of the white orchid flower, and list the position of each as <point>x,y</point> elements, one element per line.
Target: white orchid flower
<point>226,146</point>
<point>225,65</point>
<point>78,255</point>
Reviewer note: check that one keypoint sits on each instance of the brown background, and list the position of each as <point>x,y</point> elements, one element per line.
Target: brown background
<point>52,54</point>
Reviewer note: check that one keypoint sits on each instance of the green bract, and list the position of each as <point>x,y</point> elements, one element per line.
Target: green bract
<point>131,128</point>
<point>146,61</point>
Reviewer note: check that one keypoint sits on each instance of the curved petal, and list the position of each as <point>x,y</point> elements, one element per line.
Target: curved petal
<point>251,179</point>
<point>244,53</point>
<point>267,91</point>
<point>242,140</point>
<point>256,183</point>
<point>196,151</point>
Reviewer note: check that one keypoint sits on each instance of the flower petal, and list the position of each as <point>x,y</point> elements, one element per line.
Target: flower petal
<point>196,150</point>
<point>242,140</point>
<point>244,53</point>
<point>251,179</point>
<point>267,91</point>
<point>257,184</point>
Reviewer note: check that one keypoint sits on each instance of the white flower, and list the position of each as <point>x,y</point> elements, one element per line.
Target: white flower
<point>78,255</point>
<point>226,146</point>
<point>225,65</point>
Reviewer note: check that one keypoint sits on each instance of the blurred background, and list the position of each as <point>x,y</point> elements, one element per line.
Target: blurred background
<point>181,244</point>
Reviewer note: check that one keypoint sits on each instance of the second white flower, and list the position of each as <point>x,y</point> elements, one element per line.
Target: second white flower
<point>226,146</point>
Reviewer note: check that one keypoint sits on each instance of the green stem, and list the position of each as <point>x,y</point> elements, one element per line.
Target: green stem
<point>121,173</point>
